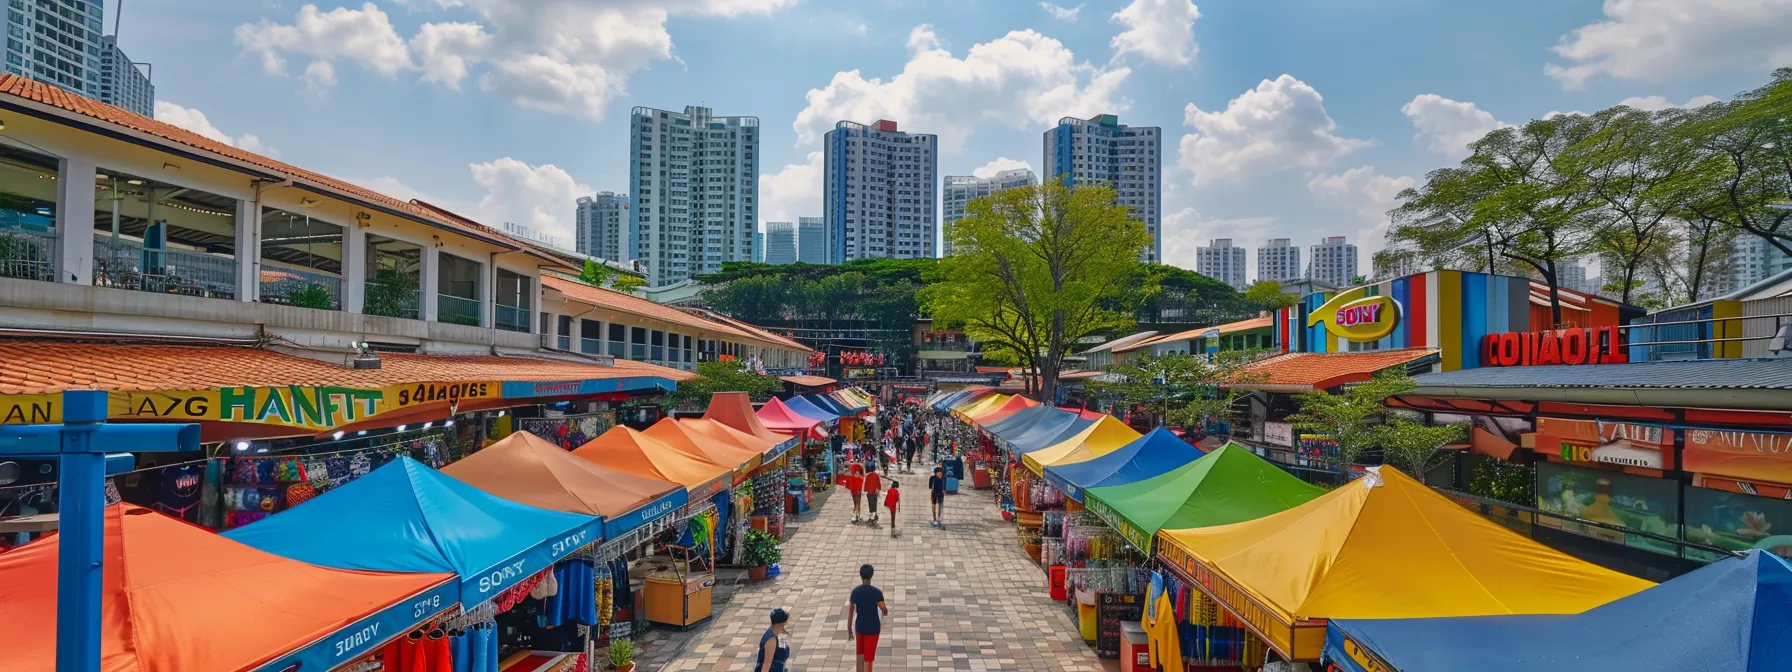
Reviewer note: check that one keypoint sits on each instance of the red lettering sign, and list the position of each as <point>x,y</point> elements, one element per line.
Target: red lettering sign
<point>1595,345</point>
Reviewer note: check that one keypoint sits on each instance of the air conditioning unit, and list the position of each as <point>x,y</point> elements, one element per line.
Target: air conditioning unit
<point>1781,343</point>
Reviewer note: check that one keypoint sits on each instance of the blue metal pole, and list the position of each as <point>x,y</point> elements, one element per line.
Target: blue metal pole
<point>83,533</point>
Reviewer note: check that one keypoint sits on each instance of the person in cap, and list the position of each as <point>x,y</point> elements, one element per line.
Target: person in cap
<point>774,645</point>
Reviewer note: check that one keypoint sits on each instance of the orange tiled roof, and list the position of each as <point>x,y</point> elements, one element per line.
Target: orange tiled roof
<point>39,92</point>
<point>1298,371</point>
<point>761,332</point>
<point>44,367</point>
<point>1227,328</point>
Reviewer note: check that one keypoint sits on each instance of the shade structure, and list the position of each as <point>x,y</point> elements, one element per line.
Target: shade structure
<point>1734,615</point>
<point>779,418</point>
<point>1015,404</point>
<point>407,517</point>
<point>526,468</point>
<point>1099,438</point>
<point>1154,453</point>
<point>735,409</point>
<point>630,451</point>
<point>680,434</point>
<point>175,598</point>
<point>854,396</point>
<point>765,449</point>
<point>1047,433</point>
<point>1383,546</point>
<point>808,410</point>
<point>951,399</point>
<point>848,402</point>
<point>1227,486</point>
<point>970,412</point>
<point>831,405</point>
<point>1018,421</point>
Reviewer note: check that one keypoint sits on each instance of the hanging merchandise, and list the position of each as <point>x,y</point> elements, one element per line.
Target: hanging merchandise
<point>255,486</point>
<point>569,431</point>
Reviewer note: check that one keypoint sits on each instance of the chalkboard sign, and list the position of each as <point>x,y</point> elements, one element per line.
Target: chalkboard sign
<point>1112,609</point>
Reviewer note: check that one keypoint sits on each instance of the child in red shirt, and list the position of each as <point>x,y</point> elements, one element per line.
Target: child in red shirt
<point>855,482</point>
<point>872,485</point>
<point>890,500</point>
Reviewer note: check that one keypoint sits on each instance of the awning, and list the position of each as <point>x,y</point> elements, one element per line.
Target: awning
<point>1307,371</point>
<point>632,452</point>
<point>1048,431</point>
<point>525,468</point>
<point>779,418</point>
<point>682,436</point>
<point>407,517</point>
<point>766,449</point>
<point>971,412</point>
<point>1154,453</point>
<point>1099,438</point>
<point>177,597</point>
<point>1015,404</point>
<point>1739,384</point>
<point>809,410</point>
<point>735,409</point>
<point>1227,486</point>
<point>808,381</point>
<point>832,405</point>
<point>1019,421</point>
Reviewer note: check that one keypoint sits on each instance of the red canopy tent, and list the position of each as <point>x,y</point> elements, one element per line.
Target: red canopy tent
<point>1014,405</point>
<point>779,418</point>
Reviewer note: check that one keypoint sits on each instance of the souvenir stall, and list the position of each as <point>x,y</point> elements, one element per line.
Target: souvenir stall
<point>251,482</point>
<point>788,477</point>
<point>684,434</point>
<point>1382,546</point>
<point>1729,616</point>
<point>163,608</point>
<point>1154,453</point>
<point>766,484</point>
<point>518,599</point>
<point>1099,438</point>
<point>569,424</point>
<point>817,458</point>
<point>1026,494</point>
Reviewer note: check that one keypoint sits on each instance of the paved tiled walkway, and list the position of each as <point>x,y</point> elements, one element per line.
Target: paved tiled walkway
<point>963,598</point>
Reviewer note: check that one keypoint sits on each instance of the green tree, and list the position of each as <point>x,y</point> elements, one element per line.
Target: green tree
<point>1269,294</point>
<point>1187,390</point>
<point>1631,162</point>
<point>1168,294</point>
<point>627,283</point>
<point>1353,416</point>
<point>713,377</point>
<point>1040,267</point>
<point>1745,165</point>
<point>595,274</point>
<point>1413,446</point>
<point>392,293</point>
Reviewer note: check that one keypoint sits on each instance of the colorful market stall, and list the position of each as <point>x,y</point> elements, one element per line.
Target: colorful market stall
<point>1155,453</point>
<point>789,477</point>
<point>1226,486</point>
<point>180,598</point>
<point>1019,421</point>
<point>1383,546</point>
<point>1734,615</point>
<point>780,418</point>
<point>808,410</point>
<point>527,469</point>
<point>1015,404</point>
<point>630,451</point>
<point>970,411</point>
<point>1099,438</point>
<point>683,436</point>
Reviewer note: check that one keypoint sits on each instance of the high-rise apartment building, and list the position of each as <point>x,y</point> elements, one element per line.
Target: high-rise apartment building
<point>1101,150</point>
<point>1221,261</point>
<point>1754,260</point>
<point>1279,261</point>
<point>780,243</point>
<point>1334,262</point>
<point>878,192</point>
<point>1572,275</point>
<point>693,191</point>
<point>960,190</point>
<point>122,83</point>
<point>601,226</point>
<point>60,42</point>
<point>812,240</point>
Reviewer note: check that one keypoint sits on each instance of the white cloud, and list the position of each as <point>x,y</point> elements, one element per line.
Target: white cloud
<point>1061,13</point>
<point>1278,125</point>
<point>1187,229</point>
<point>1659,103</point>
<point>1159,30</point>
<point>923,39</point>
<point>1367,196</point>
<point>540,197</point>
<point>1000,164</point>
<point>858,28</point>
<point>1652,39</point>
<point>568,57</point>
<point>193,120</point>
<point>1448,126</point>
<point>319,76</point>
<point>1020,80</point>
<point>794,191</point>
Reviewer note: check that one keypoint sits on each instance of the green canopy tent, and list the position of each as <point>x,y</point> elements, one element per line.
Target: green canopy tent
<point>1228,485</point>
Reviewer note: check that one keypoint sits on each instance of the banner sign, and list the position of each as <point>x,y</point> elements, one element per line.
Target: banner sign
<point>364,636</point>
<point>1753,456</point>
<point>1593,345</point>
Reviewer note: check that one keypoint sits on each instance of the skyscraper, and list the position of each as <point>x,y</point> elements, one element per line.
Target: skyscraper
<point>878,194</point>
<point>693,191</point>
<point>960,190</point>
<point>57,41</point>
<point>1100,150</point>
<point>1334,262</point>
<point>122,83</point>
<point>812,240</point>
<point>1221,261</point>
<point>601,226</point>
<point>780,243</point>
<point>1280,261</point>
<point>1754,260</point>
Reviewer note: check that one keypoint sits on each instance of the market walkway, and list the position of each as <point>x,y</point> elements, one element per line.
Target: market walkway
<point>965,598</point>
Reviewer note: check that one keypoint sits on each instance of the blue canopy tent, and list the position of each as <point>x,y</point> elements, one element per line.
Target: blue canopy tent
<point>827,403</point>
<point>809,410</point>
<point>1047,432</point>
<point>1020,420</point>
<point>1730,616</point>
<point>1150,455</point>
<point>407,517</point>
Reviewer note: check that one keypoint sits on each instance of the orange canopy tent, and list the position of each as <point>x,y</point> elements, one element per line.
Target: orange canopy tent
<point>177,598</point>
<point>733,437</point>
<point>735,409</point>
<point>632,452</point>
<point>681,435</point>
<point>1014,405</point>
<point>526,468</point>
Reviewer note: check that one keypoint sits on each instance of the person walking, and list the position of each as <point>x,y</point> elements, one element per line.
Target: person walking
<point>890,500</point>
<point>936,494</point>
<point>855,484</point>
<point>872,485</point>
<point>865,614</point>
<point>774,645</point>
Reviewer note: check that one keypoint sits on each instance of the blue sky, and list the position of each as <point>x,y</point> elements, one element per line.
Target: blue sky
<point>1295,118</point>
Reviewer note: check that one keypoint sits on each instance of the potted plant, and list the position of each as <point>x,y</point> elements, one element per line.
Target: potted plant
<point>622,655</point>
<point>761,551</point>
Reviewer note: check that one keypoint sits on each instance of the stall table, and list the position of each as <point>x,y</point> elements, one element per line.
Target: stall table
<point>670,600</point>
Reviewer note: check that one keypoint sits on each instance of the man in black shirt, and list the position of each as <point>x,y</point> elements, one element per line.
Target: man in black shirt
<point>864,616</point>
<point>936,493</point>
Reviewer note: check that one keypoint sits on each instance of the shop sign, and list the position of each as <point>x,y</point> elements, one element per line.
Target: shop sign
<point>315,408</point>
<point>1364,658</point>
<point>1621,453</point>
<point>31,409</point>
<point>1592,345</point>
<point>1278,433</point>
<point>1755,456</point>
<point>1357,318</point>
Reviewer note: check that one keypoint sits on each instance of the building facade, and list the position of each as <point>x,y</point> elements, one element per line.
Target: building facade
<point>812,240</point>
<point>56,42</point>
<point>960,190</point>
<point>1755,260</point>
<point>780,243</point>
<point>602,226</point>
<point>123,84</point>
<point>1279,261</point>
<point>693,191</point>
<point>878,191</point>
<point>1101,150</point>
<point>1334,261</point>
<point>1221,261</point>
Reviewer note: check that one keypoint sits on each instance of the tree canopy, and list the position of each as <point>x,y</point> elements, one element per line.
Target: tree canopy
<point>713,377</point>
<point>1269,294</point>
<point>1362,424</point>
<point>882,292</point>
<point>1187,390</point>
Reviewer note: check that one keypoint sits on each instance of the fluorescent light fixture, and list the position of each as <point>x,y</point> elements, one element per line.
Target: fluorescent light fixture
<point>361,433</point>
<point>401,427</point>
<point>449,423</point>
<point>337,435</point>
<point>429,424</point>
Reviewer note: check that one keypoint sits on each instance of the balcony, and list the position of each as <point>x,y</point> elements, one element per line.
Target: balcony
<point>591,346</point>
<point>302,289</point>
<point>459,310</point>
<point>124,263</point>
<point>387,297</point>
<point>512,318</point>
<point>27,253</point>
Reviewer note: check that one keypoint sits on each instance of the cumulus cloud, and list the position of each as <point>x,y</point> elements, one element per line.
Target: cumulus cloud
<point>1000,164</point>
<point>1020,80</point>
<point>1188,229</point>
<point>1659,103</point>
<point>1278,125</point>
<point>1367,196</point>
<point>792,192</point>
<point>540,197</point>
<point>194,120</point>
<point>1448,126</point>
<point>1651,39</point>
<point>1061,13</point>
<point>559,56</point>
<point>1162,31</point>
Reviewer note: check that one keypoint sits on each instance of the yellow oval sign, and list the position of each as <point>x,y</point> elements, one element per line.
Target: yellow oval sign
<point>1359,320</point>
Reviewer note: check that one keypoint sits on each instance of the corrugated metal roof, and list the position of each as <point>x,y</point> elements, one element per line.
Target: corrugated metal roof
<point>1708,374</point>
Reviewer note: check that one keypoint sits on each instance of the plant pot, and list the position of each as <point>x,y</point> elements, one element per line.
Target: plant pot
<point>630,667</point>
<point>756,573</point>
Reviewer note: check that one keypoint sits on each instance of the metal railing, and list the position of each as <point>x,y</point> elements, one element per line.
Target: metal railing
<point>28,254</point>
<point>279,285</point>
<point>380,299</point>
<point>512,318</point>
<point>459,310</point>
<point>563,341</point>
<point>591,346</point>
<point>123,263</point>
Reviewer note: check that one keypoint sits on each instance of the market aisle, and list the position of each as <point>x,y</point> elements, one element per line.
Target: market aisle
<point>964,598</point>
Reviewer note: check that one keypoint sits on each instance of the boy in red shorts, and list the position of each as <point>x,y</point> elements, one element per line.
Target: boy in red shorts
<point>865,618</point>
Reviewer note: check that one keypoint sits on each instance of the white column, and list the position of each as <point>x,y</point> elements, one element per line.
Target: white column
<point>432,268</point>
<point>248,248</point>
<point>488,292</point>
<point>354,268</point>
<point>74,220</point>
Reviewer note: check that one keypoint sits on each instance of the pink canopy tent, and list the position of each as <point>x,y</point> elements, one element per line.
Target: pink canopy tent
<point>779,418</point>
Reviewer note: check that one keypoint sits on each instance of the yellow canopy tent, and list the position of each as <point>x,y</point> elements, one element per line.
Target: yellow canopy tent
<point>1383,546</point>
<point>989,403</point>
<point>1099,438</point>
